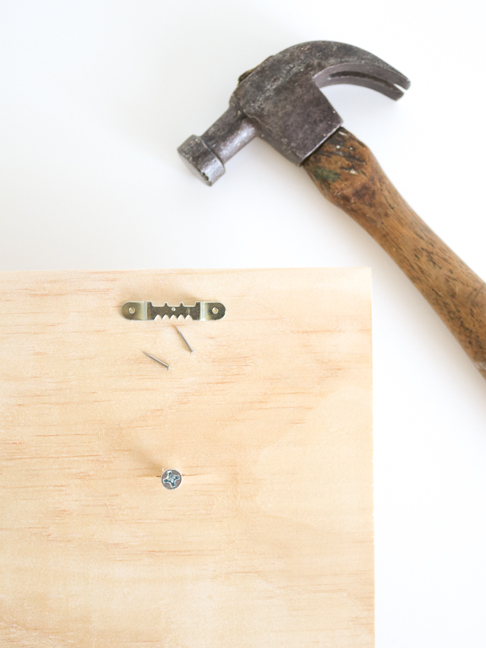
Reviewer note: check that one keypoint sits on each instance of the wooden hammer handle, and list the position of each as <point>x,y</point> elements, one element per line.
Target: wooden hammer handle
<point>347,174</point>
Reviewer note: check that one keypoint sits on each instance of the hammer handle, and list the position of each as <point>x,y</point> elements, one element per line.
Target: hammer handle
<point>347,174</point>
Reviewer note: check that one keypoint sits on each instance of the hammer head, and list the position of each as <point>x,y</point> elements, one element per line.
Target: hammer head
<point>281,102</point>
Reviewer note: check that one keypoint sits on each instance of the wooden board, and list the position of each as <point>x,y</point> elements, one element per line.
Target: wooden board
<point>269,539</point>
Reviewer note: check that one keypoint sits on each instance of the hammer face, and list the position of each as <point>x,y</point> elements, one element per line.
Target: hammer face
<point>201,160</point>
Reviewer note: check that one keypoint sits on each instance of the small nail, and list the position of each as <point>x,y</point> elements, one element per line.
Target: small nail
<point>167,366</point>
<point>183,337</point>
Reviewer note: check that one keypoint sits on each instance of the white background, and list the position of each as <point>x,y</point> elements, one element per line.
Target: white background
<point>95,98</point>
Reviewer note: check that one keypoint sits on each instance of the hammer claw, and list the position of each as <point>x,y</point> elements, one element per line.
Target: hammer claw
<point>367,81</point>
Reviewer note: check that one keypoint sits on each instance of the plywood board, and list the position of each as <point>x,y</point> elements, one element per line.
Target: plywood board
<point>269,539</point>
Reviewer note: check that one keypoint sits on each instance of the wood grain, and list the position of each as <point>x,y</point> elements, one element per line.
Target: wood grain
<point>268,542</point>
<point>347,174</point>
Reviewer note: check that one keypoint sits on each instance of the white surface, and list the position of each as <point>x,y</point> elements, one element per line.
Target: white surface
<point>96,97</point>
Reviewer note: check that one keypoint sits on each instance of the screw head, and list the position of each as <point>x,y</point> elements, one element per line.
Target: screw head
<point>131,310</point>
<point>171,479</point>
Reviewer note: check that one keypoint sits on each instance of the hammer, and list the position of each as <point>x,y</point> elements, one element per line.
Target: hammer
<point>281,102</point>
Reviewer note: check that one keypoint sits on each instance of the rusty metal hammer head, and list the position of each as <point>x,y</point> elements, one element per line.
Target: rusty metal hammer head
<point>281,102</point>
